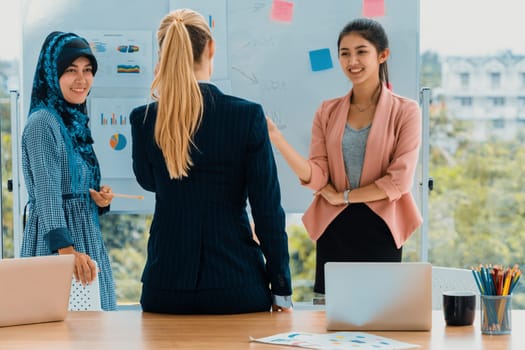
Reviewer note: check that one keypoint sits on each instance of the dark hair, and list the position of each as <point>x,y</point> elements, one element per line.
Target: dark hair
<point>373,32</point>
<point>73,49</point>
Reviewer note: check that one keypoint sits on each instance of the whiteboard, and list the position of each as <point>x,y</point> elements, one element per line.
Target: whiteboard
<point>285,59</point>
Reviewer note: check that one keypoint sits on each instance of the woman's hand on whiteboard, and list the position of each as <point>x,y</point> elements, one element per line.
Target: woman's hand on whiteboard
<point>300,166</point>
<point>273,130</point>
<point>103,197</point>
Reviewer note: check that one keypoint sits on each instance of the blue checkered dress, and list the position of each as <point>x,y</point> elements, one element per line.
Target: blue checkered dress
<point>58,204</point>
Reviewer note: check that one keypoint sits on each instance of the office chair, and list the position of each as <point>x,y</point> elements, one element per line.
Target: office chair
<point>451,279</point>
<point>85,298</point>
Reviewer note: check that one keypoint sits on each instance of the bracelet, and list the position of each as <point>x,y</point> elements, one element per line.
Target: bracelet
<point>345,197</point>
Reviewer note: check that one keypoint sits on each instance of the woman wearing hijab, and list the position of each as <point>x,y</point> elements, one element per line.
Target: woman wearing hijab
<point>61,170</point>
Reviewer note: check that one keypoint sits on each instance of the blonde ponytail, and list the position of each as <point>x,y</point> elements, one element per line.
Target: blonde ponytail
<point>180,104</point>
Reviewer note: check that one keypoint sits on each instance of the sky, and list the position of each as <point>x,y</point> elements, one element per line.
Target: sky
<point>472,27</point>
<point>449,27</point>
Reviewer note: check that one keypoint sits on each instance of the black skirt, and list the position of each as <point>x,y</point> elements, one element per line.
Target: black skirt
<point>356,234</point>
<point>206,301</point>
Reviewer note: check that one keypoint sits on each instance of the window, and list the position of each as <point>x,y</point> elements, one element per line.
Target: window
<point>474,215</point>
<point>497,101</point>
<point>498,123</point>
<point>495,80</point>
<point>464,79</point>
<point>465,101</point>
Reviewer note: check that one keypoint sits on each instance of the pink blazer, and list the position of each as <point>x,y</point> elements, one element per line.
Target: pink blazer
<point>391,157</point>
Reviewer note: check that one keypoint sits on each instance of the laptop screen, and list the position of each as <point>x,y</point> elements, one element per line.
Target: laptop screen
<point>35,289</point>
<point>378,296</point>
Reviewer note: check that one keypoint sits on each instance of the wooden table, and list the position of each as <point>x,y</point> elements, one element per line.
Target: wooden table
<point>137,330</point>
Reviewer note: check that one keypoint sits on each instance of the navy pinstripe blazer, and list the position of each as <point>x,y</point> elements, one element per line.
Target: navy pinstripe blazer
<point>201,237</point>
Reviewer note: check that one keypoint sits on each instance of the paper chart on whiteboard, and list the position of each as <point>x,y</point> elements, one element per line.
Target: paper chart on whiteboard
<point>111,131</point>
<point>125,58</point>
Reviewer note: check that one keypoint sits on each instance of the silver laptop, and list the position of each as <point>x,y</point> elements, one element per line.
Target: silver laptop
<point>35,290</point>
<point>378,296</point>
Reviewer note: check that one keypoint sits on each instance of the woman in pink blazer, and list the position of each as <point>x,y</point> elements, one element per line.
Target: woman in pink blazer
<point>363,155</point>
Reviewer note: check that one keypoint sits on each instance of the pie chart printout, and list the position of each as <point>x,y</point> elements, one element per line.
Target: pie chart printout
<point>118,142</point>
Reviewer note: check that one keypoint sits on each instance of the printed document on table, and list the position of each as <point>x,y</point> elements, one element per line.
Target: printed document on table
<point>335,341</point>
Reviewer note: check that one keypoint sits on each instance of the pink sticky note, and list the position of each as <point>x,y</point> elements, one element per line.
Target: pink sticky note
<point>282,11</point>
<point>373,8</point>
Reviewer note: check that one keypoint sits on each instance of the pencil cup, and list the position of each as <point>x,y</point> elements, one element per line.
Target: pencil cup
<point>496,314</point>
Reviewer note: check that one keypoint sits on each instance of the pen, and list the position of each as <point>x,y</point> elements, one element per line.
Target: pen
<point>131,196</point>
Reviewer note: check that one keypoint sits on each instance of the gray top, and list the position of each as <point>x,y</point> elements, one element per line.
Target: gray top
<point>354,146</point>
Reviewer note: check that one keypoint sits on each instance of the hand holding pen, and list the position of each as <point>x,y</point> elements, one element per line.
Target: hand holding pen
<point>103,197</point>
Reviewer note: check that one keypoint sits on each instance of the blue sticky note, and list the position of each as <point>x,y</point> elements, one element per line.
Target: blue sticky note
<point>320,59</point>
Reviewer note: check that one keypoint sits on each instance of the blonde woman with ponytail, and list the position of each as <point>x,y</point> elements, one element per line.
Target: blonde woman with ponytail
<point>205,154</point>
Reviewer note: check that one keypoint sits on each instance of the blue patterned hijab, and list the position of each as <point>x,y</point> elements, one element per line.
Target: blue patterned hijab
<point>58,52</point>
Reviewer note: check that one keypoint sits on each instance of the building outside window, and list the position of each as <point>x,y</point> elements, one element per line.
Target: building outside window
<point>464,79</point>
<point>495,80</point>
<point>497,101</point>
<point>465,101</point>
<point>498,123</point>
